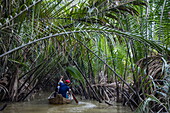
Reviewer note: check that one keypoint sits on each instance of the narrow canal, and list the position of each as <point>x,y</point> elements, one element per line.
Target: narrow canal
<point>41,105</point>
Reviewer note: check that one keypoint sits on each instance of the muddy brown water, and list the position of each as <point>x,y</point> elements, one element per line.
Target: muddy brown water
<point>41,105</point>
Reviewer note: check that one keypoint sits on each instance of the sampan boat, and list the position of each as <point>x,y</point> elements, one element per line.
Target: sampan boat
<point>58,99</point>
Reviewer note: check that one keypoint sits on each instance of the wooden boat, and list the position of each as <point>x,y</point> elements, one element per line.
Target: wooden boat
<point>59,99</point>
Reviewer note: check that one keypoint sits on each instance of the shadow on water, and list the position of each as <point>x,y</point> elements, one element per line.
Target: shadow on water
<point>42,106</point>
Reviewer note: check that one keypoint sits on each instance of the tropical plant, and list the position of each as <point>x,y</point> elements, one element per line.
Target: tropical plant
<point>97,42</point>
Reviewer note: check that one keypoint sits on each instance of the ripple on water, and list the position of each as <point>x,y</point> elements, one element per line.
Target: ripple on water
<point>82,106</point>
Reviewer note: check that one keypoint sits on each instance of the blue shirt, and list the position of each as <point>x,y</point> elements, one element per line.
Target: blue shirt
<point>63,89</point>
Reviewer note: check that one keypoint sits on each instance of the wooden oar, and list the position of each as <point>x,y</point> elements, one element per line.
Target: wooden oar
<point>75,98</point>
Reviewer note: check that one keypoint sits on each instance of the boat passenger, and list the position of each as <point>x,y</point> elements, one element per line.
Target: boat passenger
<point>64,87</point>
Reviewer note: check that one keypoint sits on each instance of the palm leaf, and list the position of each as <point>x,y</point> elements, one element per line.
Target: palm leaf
<point>75,73</point>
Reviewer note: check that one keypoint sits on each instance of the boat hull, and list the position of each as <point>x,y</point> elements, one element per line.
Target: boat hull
<point>59,99</point>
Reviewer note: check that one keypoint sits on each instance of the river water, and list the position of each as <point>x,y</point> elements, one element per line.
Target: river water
<point>41,105</point>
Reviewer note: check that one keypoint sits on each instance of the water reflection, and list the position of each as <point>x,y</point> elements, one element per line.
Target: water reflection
<point>42,106</point>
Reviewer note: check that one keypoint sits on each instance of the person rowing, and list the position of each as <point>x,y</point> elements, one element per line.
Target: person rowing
<point>63,87</point>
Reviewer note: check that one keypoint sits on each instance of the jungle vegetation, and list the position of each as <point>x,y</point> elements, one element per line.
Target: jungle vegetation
<point>111,50</point>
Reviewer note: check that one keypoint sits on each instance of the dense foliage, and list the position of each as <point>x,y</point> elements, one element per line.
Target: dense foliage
<point>95,43</point>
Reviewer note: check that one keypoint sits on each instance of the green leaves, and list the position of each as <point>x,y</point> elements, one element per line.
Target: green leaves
<point>75,73</point>
<point>96,33</point>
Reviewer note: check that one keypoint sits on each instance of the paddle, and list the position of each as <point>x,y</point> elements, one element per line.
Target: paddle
<point>74,96</point>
